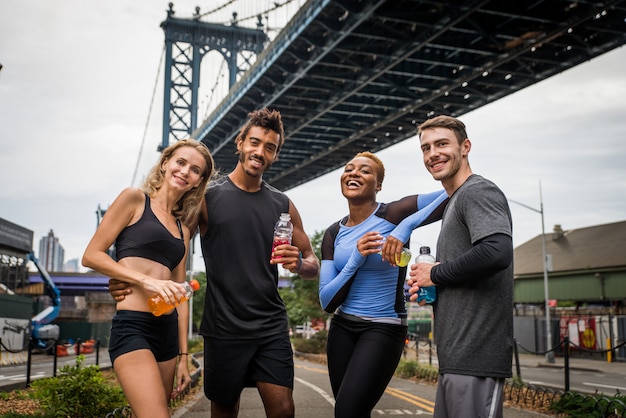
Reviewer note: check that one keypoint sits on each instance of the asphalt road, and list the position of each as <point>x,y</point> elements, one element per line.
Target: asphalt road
<point>313,398</point>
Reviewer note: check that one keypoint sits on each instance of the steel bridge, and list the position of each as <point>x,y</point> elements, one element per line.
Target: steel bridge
<point>354,75</point>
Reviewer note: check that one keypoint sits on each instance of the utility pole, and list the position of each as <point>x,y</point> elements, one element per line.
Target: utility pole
<point>550,353</point>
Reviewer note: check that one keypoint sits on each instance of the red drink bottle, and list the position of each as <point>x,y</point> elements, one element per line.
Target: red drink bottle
<point>282,232</point>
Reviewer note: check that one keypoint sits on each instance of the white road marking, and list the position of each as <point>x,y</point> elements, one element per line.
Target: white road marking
<point>319,390</point>
<point>605,386</point>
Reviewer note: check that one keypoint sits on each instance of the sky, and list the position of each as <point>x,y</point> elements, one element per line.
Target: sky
<point>81,101</point>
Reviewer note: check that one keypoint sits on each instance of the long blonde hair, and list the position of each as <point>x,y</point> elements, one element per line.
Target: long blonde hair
<point>187,209</point>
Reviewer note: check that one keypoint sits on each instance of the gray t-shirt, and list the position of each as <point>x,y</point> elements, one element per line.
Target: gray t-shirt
<point>473,320</point>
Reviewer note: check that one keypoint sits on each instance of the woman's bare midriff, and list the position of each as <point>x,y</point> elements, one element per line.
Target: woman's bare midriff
<point>138,299</point>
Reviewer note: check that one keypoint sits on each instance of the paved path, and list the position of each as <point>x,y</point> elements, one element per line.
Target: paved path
<point>199,407</point>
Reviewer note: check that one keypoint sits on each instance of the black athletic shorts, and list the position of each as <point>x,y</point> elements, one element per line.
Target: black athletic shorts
<point>231,365</point>
<point>136,330</point>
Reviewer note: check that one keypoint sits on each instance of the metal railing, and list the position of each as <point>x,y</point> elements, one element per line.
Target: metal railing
<point>565,345</point>
<point>534,396</point>
<point>544,397</point>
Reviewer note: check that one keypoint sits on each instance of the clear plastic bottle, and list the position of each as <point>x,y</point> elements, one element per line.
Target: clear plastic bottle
<point>426,294</point>
<point>158,306</point>
<point>283,230</point>
<point>405,256</point>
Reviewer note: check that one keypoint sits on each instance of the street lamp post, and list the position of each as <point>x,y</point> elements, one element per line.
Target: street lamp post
<point>549,354</point>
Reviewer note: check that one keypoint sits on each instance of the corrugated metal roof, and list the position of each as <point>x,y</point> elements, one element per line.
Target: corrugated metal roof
<point>594,247</point>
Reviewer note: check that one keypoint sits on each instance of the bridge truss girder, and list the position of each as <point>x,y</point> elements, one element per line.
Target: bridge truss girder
<point>187,41</point>
<point>352,75</point>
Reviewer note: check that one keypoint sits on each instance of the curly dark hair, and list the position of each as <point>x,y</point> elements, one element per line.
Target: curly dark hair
<point>265,118</point>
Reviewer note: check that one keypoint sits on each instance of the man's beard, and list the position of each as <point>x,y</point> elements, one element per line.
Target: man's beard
<point>254,173</point>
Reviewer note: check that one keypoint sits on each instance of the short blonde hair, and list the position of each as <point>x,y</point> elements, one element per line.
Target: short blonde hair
<point>379,163</point>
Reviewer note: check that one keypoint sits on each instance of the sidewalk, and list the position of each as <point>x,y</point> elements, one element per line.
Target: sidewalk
<point>575,363</point>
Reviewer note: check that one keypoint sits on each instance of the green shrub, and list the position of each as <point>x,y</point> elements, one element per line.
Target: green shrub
<point>576,405</point>
<point>314,345</point>
<point>78,392</point>
<point>407,369</point>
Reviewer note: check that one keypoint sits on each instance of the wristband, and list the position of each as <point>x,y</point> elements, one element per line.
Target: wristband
<point>183,354</point>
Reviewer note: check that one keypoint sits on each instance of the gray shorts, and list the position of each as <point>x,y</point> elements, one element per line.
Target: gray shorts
<point>468,396</point>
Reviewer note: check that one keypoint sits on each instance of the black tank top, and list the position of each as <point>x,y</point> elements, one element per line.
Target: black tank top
<point>149,238</point>
<point>242,299</point>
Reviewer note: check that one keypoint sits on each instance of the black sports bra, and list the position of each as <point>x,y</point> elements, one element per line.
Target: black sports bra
<point>149,238</point>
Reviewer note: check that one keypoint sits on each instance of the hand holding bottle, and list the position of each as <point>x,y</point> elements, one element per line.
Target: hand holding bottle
<point>283,231</point>
<point>391,248</point>
<point>402,259</point>
<point>169,290</point>
<point>422,289</point>
<point>159,306</point>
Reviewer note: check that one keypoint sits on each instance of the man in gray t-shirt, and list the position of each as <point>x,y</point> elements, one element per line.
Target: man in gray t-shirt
<point>473,313</point>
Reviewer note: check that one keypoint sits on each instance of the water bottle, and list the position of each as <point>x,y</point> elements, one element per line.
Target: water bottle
<point>158,306</point>
<point>426,294</point>
<point>283,231</point>
<point>405,256</point>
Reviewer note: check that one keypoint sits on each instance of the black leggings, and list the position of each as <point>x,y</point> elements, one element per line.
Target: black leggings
<point>362,357</point>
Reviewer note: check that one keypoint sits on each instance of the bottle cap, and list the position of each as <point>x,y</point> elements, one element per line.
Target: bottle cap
<point>424,250</point>
<point>194,284</point>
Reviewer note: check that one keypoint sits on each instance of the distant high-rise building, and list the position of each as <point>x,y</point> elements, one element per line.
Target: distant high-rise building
<point>51,253</point>
<point>71,266</point>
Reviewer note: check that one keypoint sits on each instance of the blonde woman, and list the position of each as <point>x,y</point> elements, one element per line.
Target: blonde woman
<point>150,228</point>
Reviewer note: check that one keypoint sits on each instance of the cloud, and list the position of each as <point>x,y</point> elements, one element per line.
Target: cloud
<point>75,95</point>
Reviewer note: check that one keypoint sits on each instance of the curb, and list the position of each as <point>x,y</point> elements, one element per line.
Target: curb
<point>561,367</point>
<point>189,403</point>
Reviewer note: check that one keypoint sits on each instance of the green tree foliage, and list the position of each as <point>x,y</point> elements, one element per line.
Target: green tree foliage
<point>78,392</point>
<point>198,300</point>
